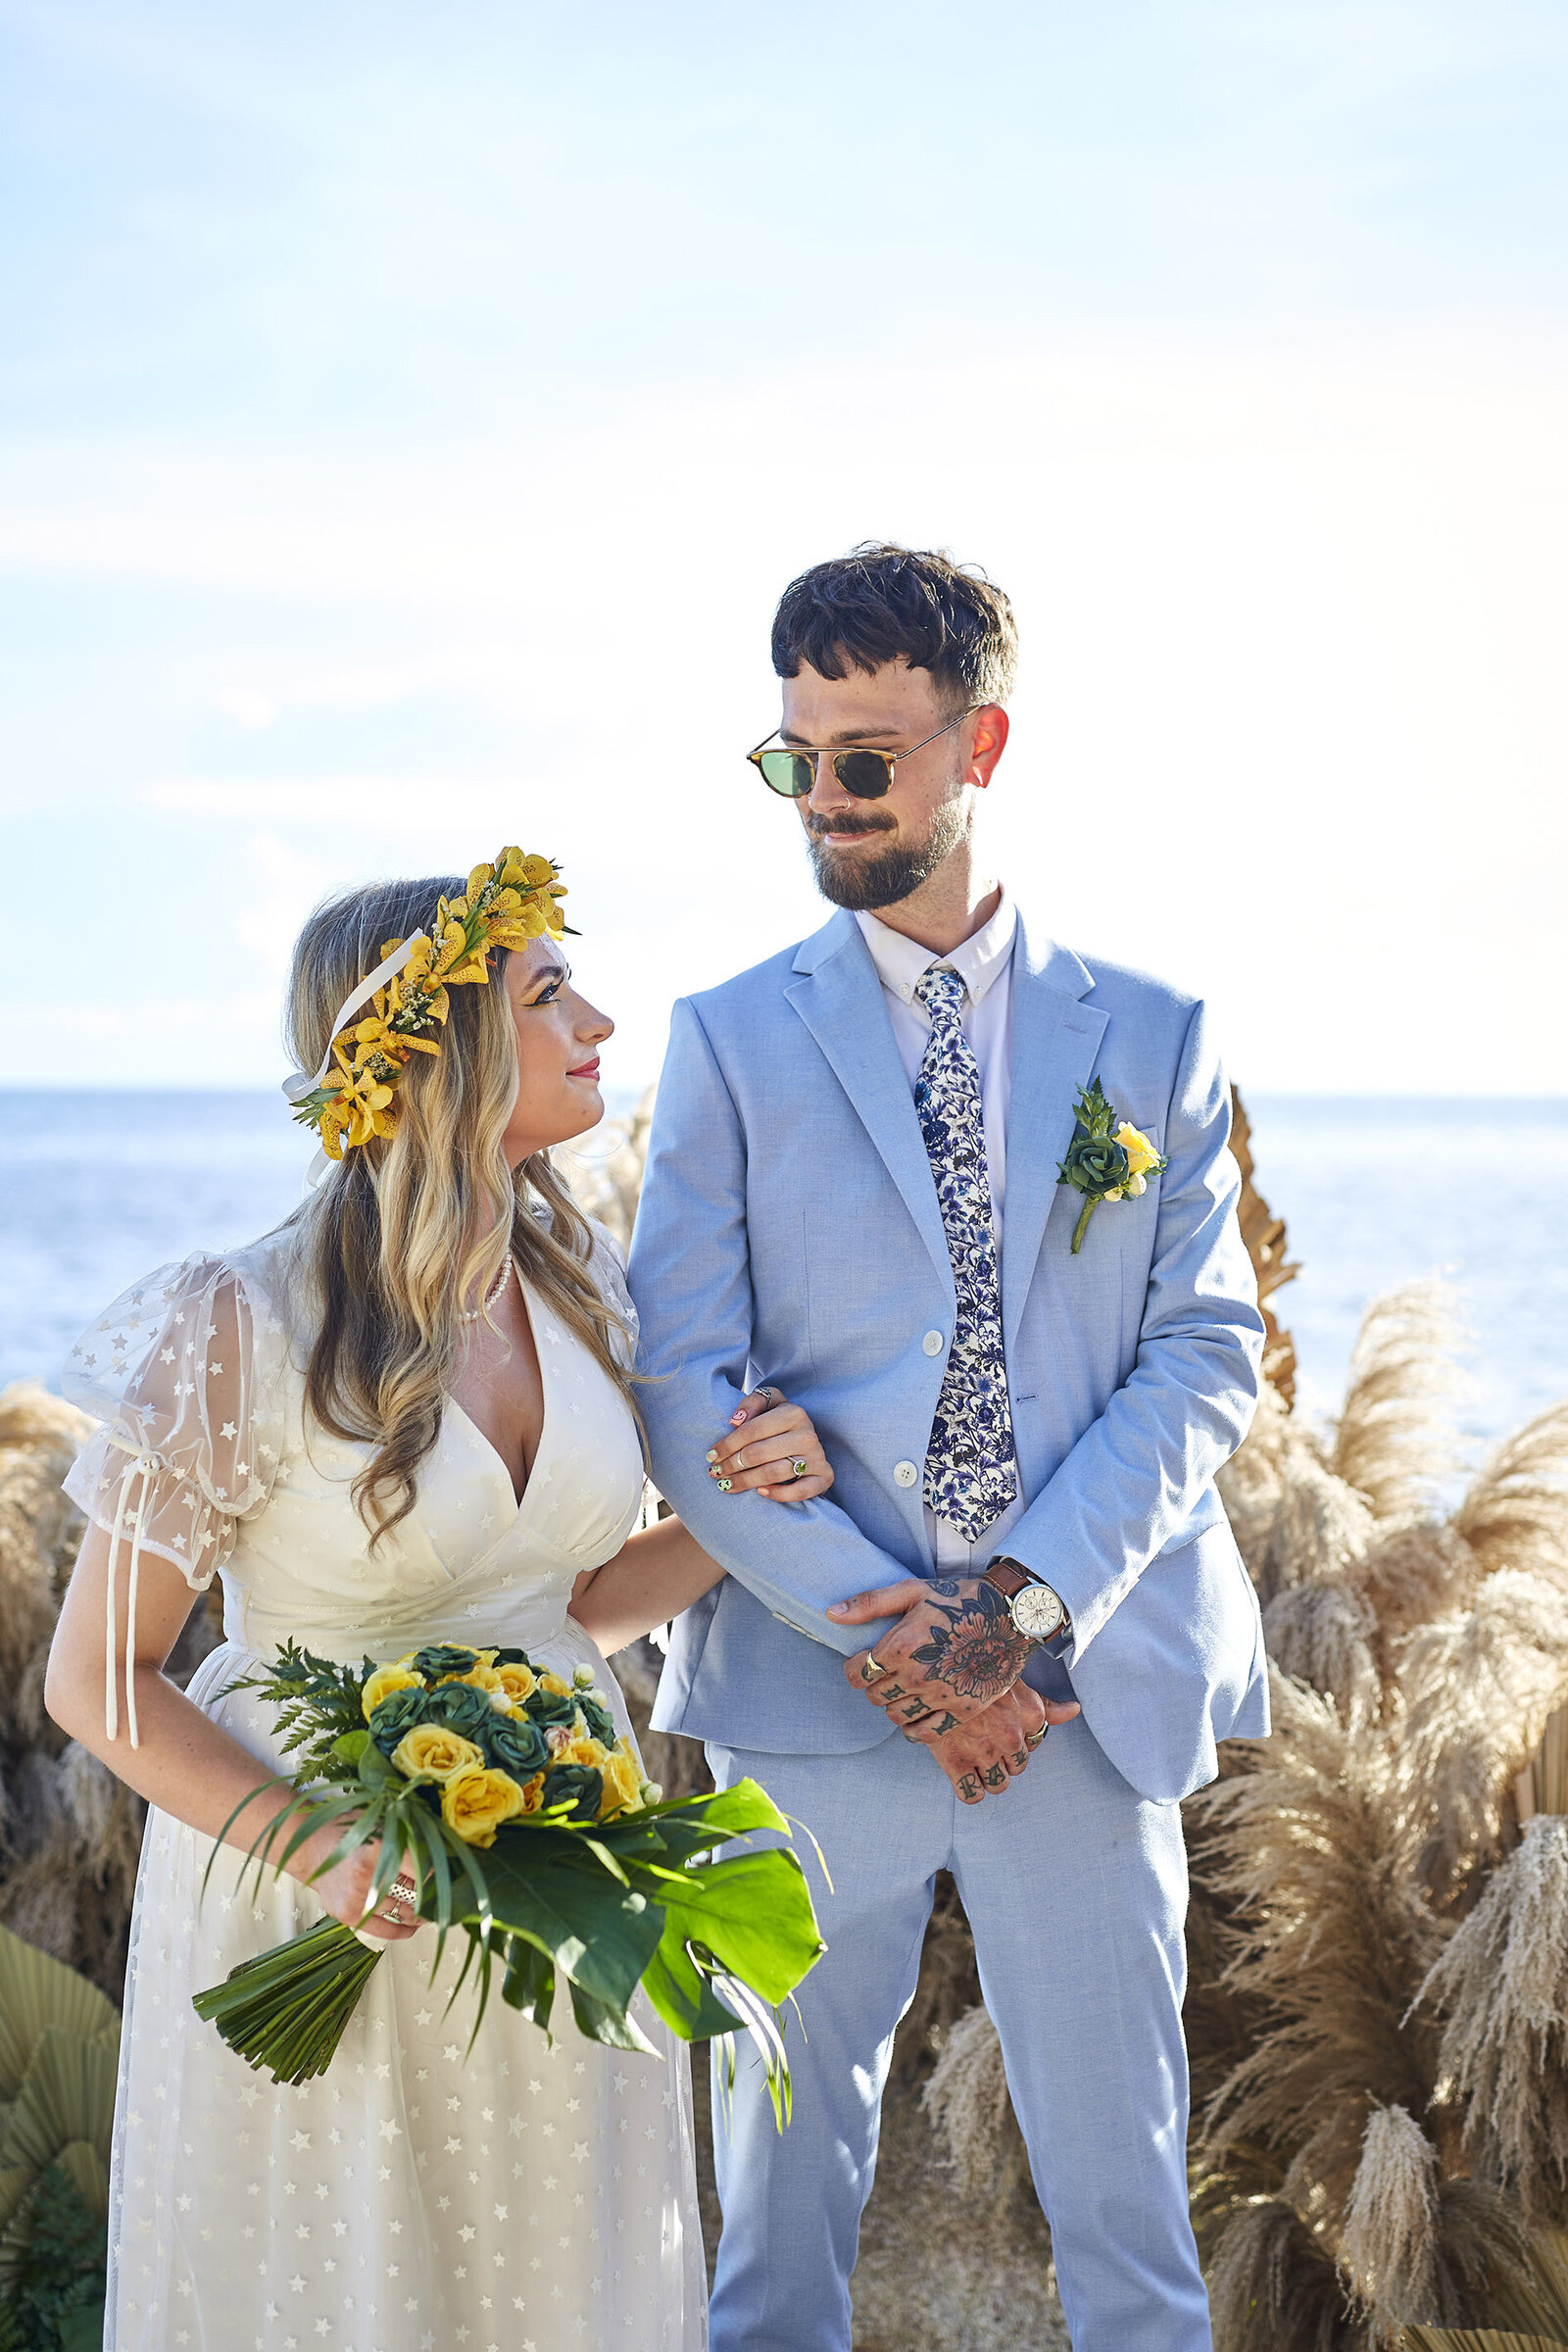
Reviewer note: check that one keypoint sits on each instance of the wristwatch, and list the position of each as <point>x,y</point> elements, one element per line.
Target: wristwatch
<point>1038,1612</point>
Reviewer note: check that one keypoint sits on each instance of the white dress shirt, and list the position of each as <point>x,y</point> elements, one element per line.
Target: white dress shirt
<point>985,962</point>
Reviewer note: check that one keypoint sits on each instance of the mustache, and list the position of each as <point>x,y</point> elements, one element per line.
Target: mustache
<point>819,827</point>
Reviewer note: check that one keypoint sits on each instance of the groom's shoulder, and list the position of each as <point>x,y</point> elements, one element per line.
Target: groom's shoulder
<point>1124,987</point>
<point>1131,998</point>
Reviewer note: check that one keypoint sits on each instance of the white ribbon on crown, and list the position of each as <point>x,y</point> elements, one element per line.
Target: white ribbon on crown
<point>299,1083</point>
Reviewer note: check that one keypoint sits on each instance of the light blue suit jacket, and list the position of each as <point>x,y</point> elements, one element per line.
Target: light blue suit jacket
<point>789,1231</point>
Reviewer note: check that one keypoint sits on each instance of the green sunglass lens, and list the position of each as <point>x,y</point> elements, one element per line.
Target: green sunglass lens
<point>864,773</point>
<point>788,772</point>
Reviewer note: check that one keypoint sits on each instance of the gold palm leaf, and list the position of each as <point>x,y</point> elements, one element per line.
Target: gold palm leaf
<point>36,1992</point>
<point>62,2114</point>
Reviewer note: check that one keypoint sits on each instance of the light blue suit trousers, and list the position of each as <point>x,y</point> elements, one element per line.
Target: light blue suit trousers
<point>789,1231</point>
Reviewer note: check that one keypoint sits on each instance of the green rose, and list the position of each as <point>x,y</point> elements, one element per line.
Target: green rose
<point>443,1657</point>
<point>518,1748</point>
<point>1096,1164</point>
<point>397,1714</point>
<point>583,1783</point>
<point>598,1717</point>
<point>548,1708</point>
<point>458,1706</point>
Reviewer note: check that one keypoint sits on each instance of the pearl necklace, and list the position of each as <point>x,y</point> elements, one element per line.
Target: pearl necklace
<point>471,1314</point>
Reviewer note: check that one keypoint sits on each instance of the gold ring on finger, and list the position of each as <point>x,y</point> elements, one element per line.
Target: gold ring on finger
<point>1033,1739</point>
<point>873,1669</point>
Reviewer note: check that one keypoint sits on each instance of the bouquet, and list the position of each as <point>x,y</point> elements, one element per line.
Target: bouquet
<point>505,1794</point>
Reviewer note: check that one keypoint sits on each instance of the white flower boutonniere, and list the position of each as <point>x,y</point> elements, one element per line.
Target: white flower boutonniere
<point>1103,1165</point>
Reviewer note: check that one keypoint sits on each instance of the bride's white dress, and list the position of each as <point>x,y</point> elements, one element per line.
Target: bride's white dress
<point>522,2197</point>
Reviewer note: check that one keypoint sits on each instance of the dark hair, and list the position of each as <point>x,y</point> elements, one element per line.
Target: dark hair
<point>881,602</point>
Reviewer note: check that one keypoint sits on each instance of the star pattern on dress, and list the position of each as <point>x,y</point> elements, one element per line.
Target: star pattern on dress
<point>401,2201</point>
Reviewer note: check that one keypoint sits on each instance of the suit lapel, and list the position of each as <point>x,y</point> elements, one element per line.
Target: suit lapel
<point>1055,1041</point>
<point>839,997</point>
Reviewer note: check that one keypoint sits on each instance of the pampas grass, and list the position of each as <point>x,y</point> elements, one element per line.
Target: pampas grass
<point>1396,1439</point>
<point>1389,2245</point>
<point>967,2099</point>
<point>70,1831</point>
<point>1502,1983</point>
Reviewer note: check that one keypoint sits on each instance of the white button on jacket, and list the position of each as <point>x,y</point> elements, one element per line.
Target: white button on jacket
<point>906,1473</point>
<point>932,1343</point>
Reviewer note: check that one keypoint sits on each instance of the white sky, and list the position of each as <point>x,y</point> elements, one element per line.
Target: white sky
<point>407,425</point>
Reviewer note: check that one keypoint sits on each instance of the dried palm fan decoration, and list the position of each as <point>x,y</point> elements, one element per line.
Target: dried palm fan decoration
<point>1478,2339</point>
<point>1265,1236</point>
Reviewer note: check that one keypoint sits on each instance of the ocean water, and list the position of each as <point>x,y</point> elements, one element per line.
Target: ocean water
<point>97,1188</point>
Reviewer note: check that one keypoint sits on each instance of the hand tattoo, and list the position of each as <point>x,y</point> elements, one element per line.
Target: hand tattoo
<point>978,1651</point>
<point>968,1787</point>
<point>996,1774</point>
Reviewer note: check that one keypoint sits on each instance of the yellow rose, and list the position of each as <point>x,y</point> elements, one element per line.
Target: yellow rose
<point>383,1682</point>
<point>474,1803</point>
<point>1141,1153</point>
<point>533,1792</point>
<point>557,1688</point>
<point>583,1748</point>
<point>516,1681</point>
<point>623,1782</point>
<point>431,1752</point>
<point>481,1676</point>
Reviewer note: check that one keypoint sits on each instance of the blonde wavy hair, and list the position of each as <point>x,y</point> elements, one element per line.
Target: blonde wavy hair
<point>404,1228</point>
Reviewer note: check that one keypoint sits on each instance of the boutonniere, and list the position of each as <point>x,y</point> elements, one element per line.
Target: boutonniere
<point>1101,1165</point>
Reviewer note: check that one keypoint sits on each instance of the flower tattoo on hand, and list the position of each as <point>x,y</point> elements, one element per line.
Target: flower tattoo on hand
<point>975,1650</point>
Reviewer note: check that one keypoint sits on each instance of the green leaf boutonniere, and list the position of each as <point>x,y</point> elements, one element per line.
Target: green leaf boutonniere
<point>1102,1164</point>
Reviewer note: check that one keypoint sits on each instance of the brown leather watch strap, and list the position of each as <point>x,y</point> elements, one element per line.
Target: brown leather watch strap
<point>1007,1578</point>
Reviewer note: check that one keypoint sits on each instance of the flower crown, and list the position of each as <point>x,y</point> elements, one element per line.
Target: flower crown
<point>352,1095</point>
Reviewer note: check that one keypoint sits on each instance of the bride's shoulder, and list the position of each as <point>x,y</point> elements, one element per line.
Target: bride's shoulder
<point>239,1296</point>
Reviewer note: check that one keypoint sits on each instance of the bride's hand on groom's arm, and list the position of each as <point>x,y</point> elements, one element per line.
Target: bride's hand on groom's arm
<point>953,1652</point>
<point>766,1438</point>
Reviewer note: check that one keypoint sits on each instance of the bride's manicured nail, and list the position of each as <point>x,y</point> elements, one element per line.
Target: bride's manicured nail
<point>736,1419</point>
<point>713,1454</point>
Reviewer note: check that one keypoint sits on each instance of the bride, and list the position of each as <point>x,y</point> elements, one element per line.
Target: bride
<point>406,1417</point>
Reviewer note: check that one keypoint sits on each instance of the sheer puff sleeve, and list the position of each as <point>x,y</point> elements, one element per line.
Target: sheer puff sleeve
<point>182,1371</point>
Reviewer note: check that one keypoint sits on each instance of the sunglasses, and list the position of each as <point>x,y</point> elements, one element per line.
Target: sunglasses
<point>868,776</point>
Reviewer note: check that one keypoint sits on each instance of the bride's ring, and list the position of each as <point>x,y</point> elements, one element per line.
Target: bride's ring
<point>772,1395</point>
<point>797,1466</point>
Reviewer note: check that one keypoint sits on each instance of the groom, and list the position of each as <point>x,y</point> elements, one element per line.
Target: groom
<point>853,1192</point>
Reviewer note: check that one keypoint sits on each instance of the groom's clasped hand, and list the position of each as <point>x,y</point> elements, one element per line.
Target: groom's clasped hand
<point>948,1675</point>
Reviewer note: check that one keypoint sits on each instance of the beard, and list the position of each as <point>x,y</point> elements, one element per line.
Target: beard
<point>862,880</point>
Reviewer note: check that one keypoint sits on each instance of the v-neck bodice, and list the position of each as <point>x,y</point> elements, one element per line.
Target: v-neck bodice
<point>469,1562</point>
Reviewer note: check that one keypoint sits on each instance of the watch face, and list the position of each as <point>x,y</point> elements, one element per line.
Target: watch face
<point>1038,1612</point>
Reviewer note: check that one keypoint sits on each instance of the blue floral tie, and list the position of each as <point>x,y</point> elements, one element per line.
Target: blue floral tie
<point>971,1472</point>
